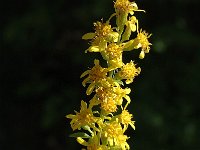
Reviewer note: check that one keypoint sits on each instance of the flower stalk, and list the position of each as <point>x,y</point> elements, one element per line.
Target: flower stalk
<point>102,122</point>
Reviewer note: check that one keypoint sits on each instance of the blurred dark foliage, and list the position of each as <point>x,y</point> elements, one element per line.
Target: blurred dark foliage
<point>42,56</point>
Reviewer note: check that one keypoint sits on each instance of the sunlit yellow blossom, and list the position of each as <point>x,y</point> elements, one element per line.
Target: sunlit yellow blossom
<point>108,106</point>
<point>103,34</point>
<point>120,94</point>
<point>128,72</point>
<point>95,74</point>
<point>142,42</point>
<point>122,142</point>
<point>113,51</point>
<point>104,91</point>
<point>110,96</point>
<point>112,130</point>
<point>125,6</point>
<point>125,118</point>
<point>82,118</point>
<point>113,54</point>
<point>114,134</point>
<point>106,97</point>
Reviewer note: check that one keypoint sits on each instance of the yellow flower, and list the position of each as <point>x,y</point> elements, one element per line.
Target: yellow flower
<point>125,118</point>
<point>113,54</point>
<point>103,34</point>
<point>103,91</point>
<point>105,96</point>
<point>142,42</point>
<point>109,106</point>
<point>125,6</point>
<point>95,75</point>
<point>120,94</point>
<point>82,118</point>
<point>128,72</point>
<point>122,142</point>
<point>113,133</point>
<point>109,96</point>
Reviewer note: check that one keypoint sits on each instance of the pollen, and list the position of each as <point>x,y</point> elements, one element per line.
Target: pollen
<point>114,51</point>
<point>129,71</point>
<point>97,73</point>
<point>113,130</point>
<point>109,106</point>
<point>125,117</point>
<point>143,41</point>
<point>123,5</point>
<point>102,29</point>
<point>106,97</point>
<point>84,117</point>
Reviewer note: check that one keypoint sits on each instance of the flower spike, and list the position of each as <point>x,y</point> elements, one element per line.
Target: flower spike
<point>103,120</point>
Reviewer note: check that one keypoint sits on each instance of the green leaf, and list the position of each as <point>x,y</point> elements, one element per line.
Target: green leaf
<point>79,134</point>
<point>88,36</point>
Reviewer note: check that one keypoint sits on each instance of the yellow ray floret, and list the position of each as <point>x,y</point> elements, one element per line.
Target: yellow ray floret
<point>113,55</point>
<point>142,42</point>
<point>103,34</point>
<point>125,6</point>
<point>113,132</point>
<point>128,72</point>
<point>110,96</point>
<point>95,75</point>
<point>126,119</point>
<point>82,118</point>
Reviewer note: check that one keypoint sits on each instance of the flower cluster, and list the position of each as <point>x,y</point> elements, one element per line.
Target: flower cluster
<point>103,120</point>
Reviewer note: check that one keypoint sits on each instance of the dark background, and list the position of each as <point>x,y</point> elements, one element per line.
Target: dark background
<point>42,56</point>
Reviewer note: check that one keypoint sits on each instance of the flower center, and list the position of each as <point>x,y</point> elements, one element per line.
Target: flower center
<point>114,51</point>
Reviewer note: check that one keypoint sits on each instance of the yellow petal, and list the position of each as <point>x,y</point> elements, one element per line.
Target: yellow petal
<point>70,116</point>
<point>85,73</point>
<point>90,88</point>
<point>132,125</point>
<point>142,54</point>
<point>127,90</point>
<point>81,141</point>
<point>85,81</point>
<point>129,81</point>
<point>93,49</point>
<point>83,105</point>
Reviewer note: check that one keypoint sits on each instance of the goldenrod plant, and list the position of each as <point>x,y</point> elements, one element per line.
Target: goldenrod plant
<point>103,120</point>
